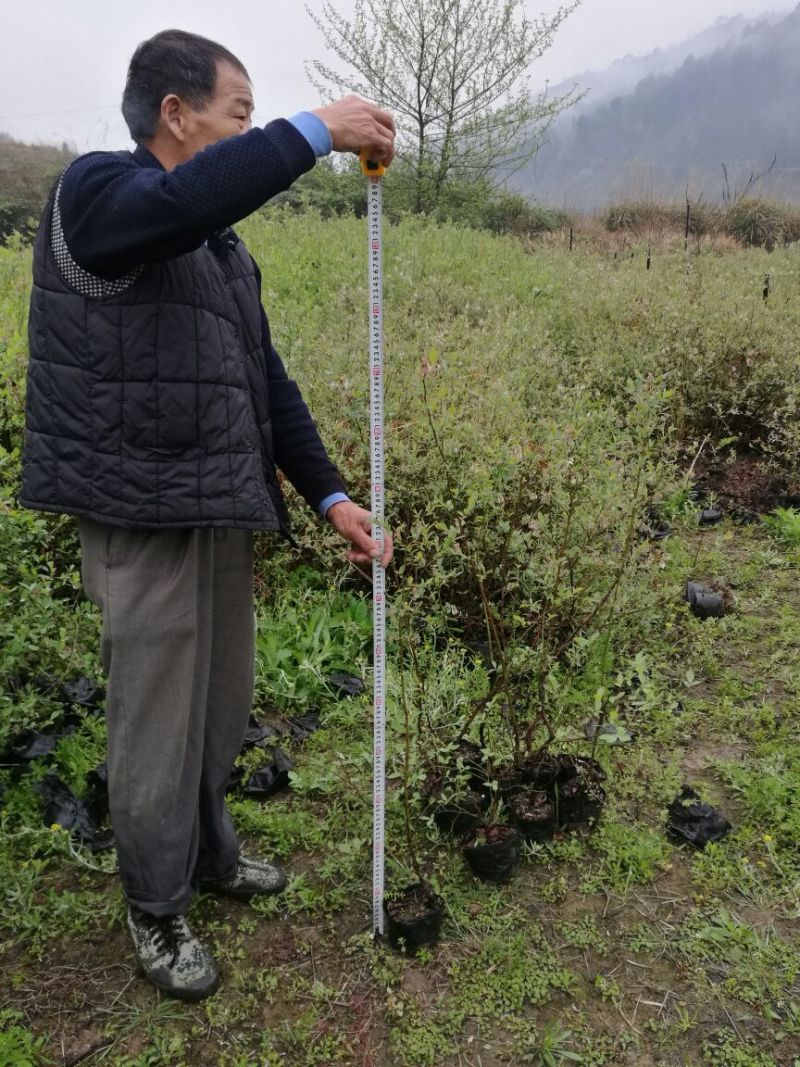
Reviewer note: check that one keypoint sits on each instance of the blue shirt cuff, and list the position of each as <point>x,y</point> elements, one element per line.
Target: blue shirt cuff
<point>329,501</point>
<point>315,132</point>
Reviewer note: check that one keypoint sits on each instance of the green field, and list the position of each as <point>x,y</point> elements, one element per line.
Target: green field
<point>544,411</point>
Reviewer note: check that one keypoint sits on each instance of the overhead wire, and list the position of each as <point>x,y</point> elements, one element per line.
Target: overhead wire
<point>67,111</point>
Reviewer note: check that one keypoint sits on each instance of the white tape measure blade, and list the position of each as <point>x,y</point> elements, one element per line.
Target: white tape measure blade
<point>375,251</point>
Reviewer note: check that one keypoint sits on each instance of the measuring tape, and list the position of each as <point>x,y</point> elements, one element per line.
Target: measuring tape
<point>374,173</point>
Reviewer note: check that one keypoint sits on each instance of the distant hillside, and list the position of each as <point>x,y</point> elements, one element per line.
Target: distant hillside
<point>26,174</point>
<point>729,96</point>
<point>625,73</point>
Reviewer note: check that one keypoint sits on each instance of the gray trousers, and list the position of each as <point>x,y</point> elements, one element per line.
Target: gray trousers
<point>177,648</point>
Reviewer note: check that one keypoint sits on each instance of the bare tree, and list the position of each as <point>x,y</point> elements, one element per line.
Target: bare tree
<point>454,74</point>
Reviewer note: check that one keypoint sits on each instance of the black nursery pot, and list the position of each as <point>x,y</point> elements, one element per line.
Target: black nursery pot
<point>580,801</point>
<point>530,776</point>
<point>590,770</point>
<point>460,816</point>
<point>579,794</point>
<point>704,603</point>
<point>413,918</point>
<point>512,782</point>
<point>271,778</point>
<point>534,815</point>
<point>710,516</point>
<point>655,528</point>
<point>493,853</point>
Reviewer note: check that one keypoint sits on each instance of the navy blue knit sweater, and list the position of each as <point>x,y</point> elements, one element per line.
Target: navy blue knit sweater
<point>120,210</point>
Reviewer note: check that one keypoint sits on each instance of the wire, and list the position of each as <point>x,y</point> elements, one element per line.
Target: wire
<point>69,111</point>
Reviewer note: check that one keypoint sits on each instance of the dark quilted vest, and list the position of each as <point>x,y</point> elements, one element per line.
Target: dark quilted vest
<point>147,399</point>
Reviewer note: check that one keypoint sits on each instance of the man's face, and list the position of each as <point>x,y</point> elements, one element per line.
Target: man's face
<point>226,114</point>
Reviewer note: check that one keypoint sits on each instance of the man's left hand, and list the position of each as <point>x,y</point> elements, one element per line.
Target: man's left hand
<point>355,525</point>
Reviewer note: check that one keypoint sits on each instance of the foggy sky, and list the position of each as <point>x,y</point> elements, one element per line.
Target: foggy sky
<point>63,62</point>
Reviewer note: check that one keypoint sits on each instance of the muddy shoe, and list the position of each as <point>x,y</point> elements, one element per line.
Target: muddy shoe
<point>251,878</point>
<point>171,956</point>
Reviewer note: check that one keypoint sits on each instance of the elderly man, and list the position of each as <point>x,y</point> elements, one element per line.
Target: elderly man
<point>158,413</point>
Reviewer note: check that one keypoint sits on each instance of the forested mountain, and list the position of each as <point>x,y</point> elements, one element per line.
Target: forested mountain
<point>735,104</point>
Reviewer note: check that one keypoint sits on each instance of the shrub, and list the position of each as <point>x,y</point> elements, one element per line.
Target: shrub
<point>26,174</point>
<point>658,218</point>
<point>328,189</point>
<point>334,190</point>
<point>535,405</point>
<point>18,217</point>
<point>763,223</point>
<point>513,213</point>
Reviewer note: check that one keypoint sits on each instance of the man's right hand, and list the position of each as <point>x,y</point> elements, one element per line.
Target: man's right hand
<point>355,124</point>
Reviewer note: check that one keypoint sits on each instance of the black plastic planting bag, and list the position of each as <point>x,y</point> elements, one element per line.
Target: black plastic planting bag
<point>46,684</point>
<point>96,796</point>
<point>493,853</point>
<point>345,685</point>
<point>655,528</point>
<point>534,815</point>
<point>255,733</point>
<point>30,745</point>
<point>710,516</point>
<point>693,821</point>
<point>580,800</point>
<point>704,603</point>
<point>413,918</point>
<point>462,815</point>
<point>271,778</point>
<point>61,807</point>
<point>303,726</point>
<point>235,779</point>
<point>84,692</point>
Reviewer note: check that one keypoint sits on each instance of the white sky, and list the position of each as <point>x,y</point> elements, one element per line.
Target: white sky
<point>63,62</point>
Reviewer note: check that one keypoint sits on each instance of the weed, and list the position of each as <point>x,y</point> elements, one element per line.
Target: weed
<point>784,525</point>
<point>548,1048</point>
<point>629,855</point>
<point>583,933</point>
<point>757,968</point>
<point>307,633</point>
<point>726,1049</point>
<point>18,1046</point>
<point>608,988</point>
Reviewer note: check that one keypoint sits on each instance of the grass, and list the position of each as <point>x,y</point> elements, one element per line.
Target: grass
<point>584,383</point>
<point>603,946</point>
<point>784,525</point>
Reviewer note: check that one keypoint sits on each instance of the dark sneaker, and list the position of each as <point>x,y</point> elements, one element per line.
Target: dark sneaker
<point>171,956</point>
<point>251,878</point>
